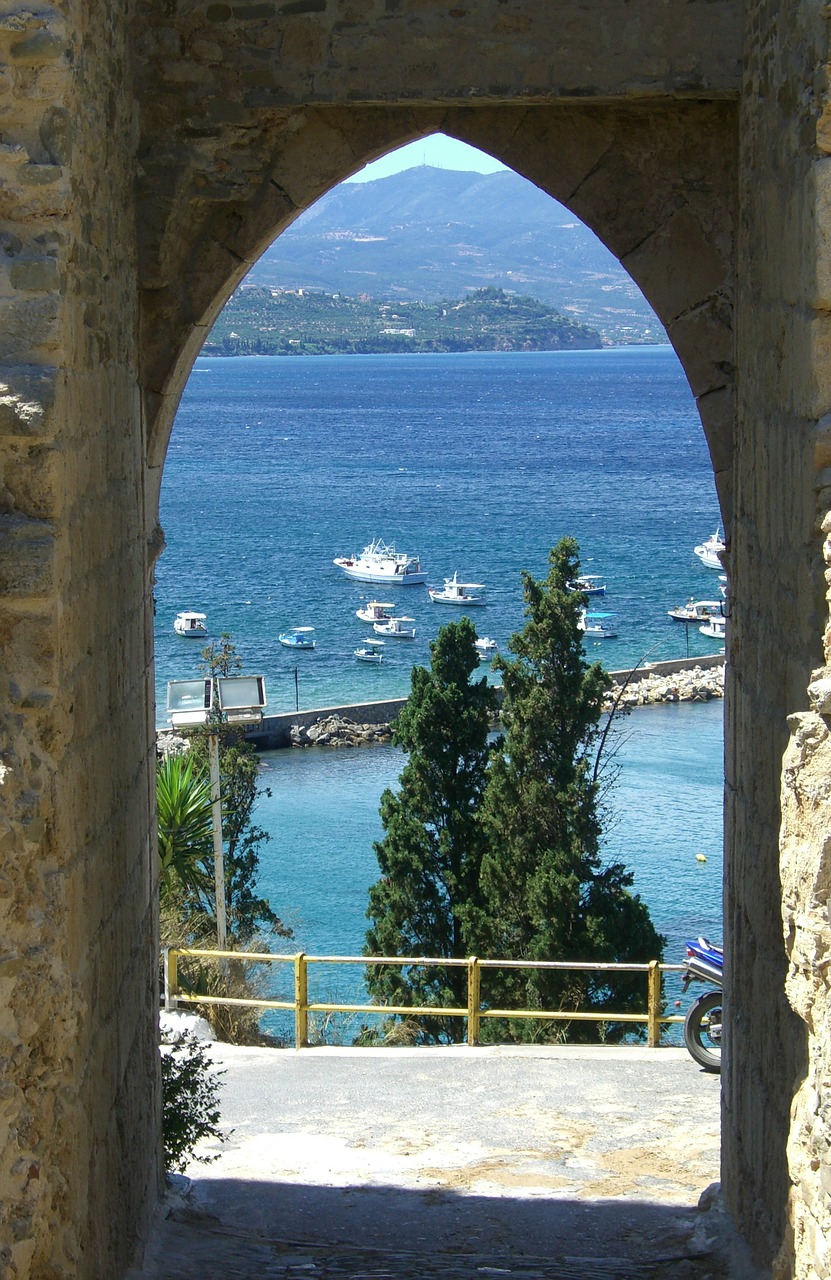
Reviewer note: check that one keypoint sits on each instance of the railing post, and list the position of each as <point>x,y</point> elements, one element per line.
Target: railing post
<point>171,978</point>
<point>474,986</point>
<point>301,1000</point>
<point>653,1004</point>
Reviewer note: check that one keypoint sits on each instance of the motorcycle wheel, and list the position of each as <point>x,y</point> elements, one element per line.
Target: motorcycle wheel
<point>702,1031</point>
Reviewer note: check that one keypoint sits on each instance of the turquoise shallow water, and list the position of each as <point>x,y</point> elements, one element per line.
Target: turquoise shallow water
<point>664,810</point>
<point>477,463</point>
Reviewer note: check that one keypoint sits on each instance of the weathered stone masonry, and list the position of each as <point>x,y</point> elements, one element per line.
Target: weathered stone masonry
<point>149,150</point>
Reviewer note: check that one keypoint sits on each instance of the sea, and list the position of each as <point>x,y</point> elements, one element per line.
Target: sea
<point>477,463</point>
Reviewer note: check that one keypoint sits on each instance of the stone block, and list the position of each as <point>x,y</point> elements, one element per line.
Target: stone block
<point>27,398</point>
<point>27,556</point>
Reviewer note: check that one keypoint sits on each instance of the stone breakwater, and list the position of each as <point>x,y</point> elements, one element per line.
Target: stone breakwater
<point>696,684</point>
<point>338,731</point>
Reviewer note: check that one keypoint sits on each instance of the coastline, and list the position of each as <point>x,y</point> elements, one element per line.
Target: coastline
<point>364,723</point>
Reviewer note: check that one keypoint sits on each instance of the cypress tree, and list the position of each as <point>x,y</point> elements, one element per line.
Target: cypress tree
<point>547,894</point>
<point>429,900</point>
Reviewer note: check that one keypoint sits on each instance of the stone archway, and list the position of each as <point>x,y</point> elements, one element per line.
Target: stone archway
<point>148,150</point>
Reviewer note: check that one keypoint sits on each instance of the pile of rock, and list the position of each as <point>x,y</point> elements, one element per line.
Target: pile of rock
<point>338,731</point>
<point>694,685</point>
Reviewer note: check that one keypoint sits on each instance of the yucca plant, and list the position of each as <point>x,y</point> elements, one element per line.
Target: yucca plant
<point>183,798</point>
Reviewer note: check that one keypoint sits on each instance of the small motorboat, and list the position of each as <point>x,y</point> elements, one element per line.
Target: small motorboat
<point>696,610</point>
<point>596,626</point>
<point>486,648</point>
<point>396,628</point>
<point>709,552</point>
<point>190,624</point>
<point>591,584</point>
<point>375,611</point>
<point>371,651</point>
<point>456,592</point>
<point>298,638</point>
<point>715,629</point>
<point>380,562</point>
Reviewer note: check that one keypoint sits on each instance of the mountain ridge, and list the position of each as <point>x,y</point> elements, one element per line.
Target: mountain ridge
<point>426,234</point>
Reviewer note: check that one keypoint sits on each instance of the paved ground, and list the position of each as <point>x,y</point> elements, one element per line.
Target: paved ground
<point>563,1163</point>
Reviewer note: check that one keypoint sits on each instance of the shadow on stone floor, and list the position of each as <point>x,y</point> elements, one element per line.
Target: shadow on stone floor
<point>232,1229</point>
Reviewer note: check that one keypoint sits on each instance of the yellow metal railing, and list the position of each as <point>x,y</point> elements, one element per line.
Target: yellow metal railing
<point>473,1012</point>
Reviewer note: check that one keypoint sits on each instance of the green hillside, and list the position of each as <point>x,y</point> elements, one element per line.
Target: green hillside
<point>258,321</point>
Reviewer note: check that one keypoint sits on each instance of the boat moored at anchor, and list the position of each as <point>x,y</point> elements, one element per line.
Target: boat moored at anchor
<point>459,593</point>
<point>380,562</point>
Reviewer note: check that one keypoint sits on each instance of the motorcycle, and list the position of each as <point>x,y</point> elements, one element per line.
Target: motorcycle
<point>702,1025</point>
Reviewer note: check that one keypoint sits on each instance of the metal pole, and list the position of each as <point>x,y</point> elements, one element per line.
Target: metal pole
<point>219,858</point>
<point>296,691</point>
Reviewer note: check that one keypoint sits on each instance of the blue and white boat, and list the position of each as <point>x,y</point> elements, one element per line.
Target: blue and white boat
<point>596,625</point>
<point>591,584</point>
<point>371,651</point>
<point>298,638</point>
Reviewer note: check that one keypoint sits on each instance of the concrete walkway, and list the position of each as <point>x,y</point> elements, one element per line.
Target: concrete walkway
<point>564,1163</point>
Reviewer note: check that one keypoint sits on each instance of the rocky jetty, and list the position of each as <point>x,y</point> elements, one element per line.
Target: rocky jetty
<point>338,731</point>
<point>696,684</point>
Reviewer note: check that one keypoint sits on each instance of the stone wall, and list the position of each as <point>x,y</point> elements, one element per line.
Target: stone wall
<point>148,153</point>
<point>776,586</point>
<point>78,1113</point>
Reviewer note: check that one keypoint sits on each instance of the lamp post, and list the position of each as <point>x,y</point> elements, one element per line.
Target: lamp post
<point>214,701</point>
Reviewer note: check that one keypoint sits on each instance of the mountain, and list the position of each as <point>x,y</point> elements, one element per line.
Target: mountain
<point>428,234</point>
<point>262,321</point>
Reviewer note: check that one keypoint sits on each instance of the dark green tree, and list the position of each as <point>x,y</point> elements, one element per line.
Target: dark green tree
<point>548,894</point>
<point>428,901</point>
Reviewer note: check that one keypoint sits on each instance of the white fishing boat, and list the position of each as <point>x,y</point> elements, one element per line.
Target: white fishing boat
<point>456,592</point>
<point>696,610</point>
<point>371,651</point>
<point>396,628</point>
<point>380,562</point>
<point>715,629</point>
<point>190,624</point>
<point>298,638</point>
<point>375,611</point>
<point>591,584</point>
<point>486,648</point>
<point>597,626</point>
<point>708,552</point>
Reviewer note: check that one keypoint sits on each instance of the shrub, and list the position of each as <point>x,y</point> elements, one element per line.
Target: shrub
<point>190,1103</point>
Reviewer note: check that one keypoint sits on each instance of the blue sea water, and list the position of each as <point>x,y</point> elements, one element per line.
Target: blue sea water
<point>478,463</point>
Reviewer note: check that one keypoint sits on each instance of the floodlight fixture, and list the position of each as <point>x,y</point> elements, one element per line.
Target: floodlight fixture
<point>241,698</point>
<point>189,702</point>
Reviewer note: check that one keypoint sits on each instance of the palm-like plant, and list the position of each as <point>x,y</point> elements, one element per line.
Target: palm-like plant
<point>183,798</point>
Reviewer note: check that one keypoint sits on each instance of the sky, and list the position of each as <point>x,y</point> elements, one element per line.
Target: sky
<point>438,150</point>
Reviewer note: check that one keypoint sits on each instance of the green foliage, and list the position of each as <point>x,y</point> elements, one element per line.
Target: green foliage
<point>190,1103</point>
<point>428,901</point>
<point>257,322</point>
<point>494,851</point>
<point>183,797</point>
<point>220,658</point>
<point>549,896</point>
<point>188,909</point>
